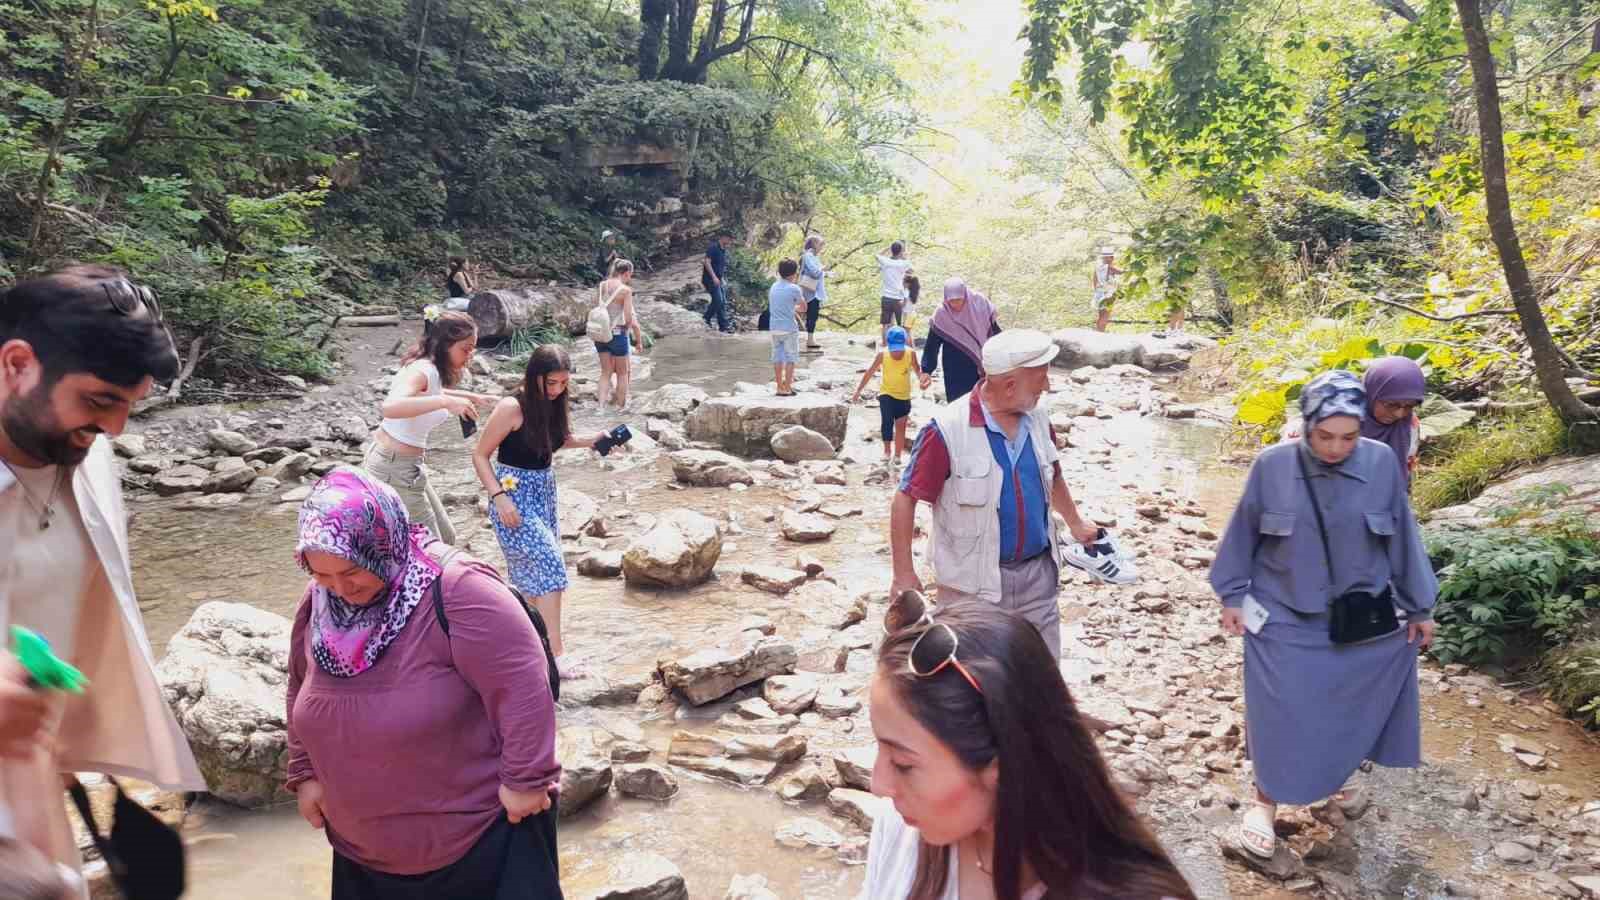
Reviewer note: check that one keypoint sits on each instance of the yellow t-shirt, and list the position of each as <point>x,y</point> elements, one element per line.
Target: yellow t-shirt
<point>897,375</point>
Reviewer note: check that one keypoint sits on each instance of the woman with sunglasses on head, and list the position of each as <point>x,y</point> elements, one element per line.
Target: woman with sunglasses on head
<point>421,397</point>
<point>1321,555</point>
<point>998,788</point>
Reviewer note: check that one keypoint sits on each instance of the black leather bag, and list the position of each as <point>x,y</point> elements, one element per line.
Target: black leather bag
<point>1357,615</point>
<point>143,854</point>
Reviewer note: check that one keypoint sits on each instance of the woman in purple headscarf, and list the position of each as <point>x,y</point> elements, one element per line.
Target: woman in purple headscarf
<point>1395,387</point>
<point>958,331</point>
<point>426,754</point>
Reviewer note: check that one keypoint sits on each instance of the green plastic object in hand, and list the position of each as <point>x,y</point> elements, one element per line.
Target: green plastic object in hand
<point>47,671</point>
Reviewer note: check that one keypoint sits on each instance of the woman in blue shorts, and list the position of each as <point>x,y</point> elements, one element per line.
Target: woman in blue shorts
<point>616,294</point>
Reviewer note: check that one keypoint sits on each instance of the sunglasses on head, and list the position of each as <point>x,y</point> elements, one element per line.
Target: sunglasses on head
<point>130,299</point>
<point>935,648</point>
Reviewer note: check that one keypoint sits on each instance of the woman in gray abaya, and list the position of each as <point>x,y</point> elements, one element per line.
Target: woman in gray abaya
<point>1316,708</point>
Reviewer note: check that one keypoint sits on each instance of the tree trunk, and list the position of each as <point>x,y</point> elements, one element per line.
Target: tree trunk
<point>500,313</point>
<point>652,28</point>
<point>69,112</point>
<point>1549,369</point>
<point>680,35</point>
<point>422,41</point>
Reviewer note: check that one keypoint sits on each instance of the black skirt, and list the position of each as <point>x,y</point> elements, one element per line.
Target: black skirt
<point>510,862</point>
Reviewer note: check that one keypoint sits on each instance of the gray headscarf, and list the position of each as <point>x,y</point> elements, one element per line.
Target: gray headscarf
<point>1336,393</point>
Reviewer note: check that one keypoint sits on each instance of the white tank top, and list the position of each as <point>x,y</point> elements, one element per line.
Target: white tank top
<point>413,432</point>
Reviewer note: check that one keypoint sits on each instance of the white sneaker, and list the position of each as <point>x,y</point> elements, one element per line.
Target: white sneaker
<point>1104,559</point>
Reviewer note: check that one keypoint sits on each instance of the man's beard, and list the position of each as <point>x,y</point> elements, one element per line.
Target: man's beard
<point>31,427</point>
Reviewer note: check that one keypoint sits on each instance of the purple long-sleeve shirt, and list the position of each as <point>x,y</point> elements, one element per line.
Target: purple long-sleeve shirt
<point>411,754</point>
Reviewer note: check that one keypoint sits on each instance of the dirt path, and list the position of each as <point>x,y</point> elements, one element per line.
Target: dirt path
<point>1474,821</point>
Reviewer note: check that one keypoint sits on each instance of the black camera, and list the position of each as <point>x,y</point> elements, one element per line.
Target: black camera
<point>614,438</point>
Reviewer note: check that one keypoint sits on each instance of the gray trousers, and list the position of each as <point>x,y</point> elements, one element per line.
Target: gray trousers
<point>1029,589</point>
<point>409,478</point>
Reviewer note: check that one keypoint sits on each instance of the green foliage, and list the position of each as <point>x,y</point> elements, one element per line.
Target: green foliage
<point>1459,466</point>
<point>1510,589</point>
<point>1572,675</point>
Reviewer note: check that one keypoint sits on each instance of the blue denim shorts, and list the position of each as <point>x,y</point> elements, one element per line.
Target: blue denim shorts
<point>617,346</point>
<point>785,347</point>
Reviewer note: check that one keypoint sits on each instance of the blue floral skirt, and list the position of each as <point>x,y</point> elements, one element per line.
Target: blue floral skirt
<point>533,551</point>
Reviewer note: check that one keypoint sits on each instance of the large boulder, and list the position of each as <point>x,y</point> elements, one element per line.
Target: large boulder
<point>179,480</point>
<point>586,770</point>
<point>798,443</point>
<point>225,675</point>
<point>806,528</point>
<point>230,442</point>
<point>709,468</point>
<point>1571,484</point>
<point>709,674</point>
<point>229,479</point>
<point>575,510</point>
<point>640,876</point>
<point>745,424</point>
<point>1087,347</point>
<point>680,551</point>
<point>672,401</point>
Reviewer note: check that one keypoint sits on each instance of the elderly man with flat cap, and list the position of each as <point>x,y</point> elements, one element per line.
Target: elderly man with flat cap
<point>988,466</point>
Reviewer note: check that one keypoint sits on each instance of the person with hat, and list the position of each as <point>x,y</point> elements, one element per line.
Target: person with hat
<point>1323,573</point>
<point>1103,284</point>
<point>988,466</point>
<point>894,391</point>
<point>963,322</point>
<point>78,348</point>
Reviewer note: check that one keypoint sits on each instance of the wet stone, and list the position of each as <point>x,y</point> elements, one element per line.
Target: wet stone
<point>749,887</point>
<point>772,579</point>
<point>856,807</point>
<point>802,833</point>
<point>642,876</point>
<point>1513,852</point>
<point>647,782</point>
<point>807,783</point>
<point>855,766</point>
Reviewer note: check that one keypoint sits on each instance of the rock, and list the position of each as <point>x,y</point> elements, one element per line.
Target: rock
<point>802,833</point>
<point>179,480</point>
<point>790,694</point>
<point>809,564</point>
<point>350,429</point>
<point>1527,788</point>
<point>1589,884</point>
<point>224,675</point>
<point>709,674</point>
<point>268,455</point>
<point>1513,852</point>
<point>855,766</point>
<point>709,468</point>
<point>597,689</point>
<point>809,783</point>
<point>680,551</point>
<point>779,748</point>
<point>130,446</point>
<point>772,579</point>
<point>230,480</point>
<point>629,752</point>
<point>646,781</point>
<point>642,876</point>
<point>745,772</point>
<point>665,433</point>
<point>148,465</point>
<point>856,807</point>
<point>749,887</point>
<point>1081,347</point>
<point>834,702</point>
<point>586,770</point>
<point>1466,799</point>
<point>298,495</point>
<point>744,424</point>
<point>600,564</point>
<point>671,401</point>
<point>806,527</point>
<point>1576,483</point>
<point>798,443</point>
<point>575,511</point>
<point>293,465</point>
<point>230,442</point>
<point>1516,743</point>
<point>1284,864</point>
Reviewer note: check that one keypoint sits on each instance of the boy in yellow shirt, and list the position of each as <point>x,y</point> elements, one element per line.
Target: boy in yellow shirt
<point>894,392</point>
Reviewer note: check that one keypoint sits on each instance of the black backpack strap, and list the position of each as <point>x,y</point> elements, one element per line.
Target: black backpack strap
<point>438,592</point>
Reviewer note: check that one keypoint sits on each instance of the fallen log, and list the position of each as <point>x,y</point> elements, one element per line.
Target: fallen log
<point>370,321</point>
<point>499,313</point>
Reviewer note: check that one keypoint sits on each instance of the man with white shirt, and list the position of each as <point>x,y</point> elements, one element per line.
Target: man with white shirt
<point>893,268</point>
<point>77,349</point>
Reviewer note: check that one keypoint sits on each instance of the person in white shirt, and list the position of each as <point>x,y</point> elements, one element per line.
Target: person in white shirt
<point>893,268</point>
<point>1103,284</point>
<point>77,349</point>
<point>996,786</point>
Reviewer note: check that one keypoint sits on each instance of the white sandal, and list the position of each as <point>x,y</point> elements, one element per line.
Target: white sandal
<point>1256,834</point>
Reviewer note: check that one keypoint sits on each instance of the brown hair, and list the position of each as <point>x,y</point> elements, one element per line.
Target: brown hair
<point>25,874</point>
<point>913,287</point>
<point>618,266</point>
<point>1057,810</point>
<point>438,336</point>
<point>787,268</point>
<point>546,423</point>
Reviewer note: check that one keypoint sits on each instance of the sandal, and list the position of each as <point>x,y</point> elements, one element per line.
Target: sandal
<point>1256,834</point>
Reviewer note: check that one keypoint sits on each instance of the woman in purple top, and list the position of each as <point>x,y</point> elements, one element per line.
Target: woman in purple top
<point>1395,387</point>
<point>1315,708</point>
<point>958,331</point>
<point>427,757</point>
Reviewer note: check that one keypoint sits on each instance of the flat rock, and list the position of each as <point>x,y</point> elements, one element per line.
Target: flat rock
<point>855,807</point>
<point>709,674</point>
<point>797,443</point>
<point>230,442</point>
<point>807,783</point>
<point>586,769</point>
<point>806,527</point>
<point>229,480</point>
<point>1513,852</point>
<point>646,781</point>
<point>672,401</point>
<point>749,887</point>
<point>642,876</point>
<point>709,468</point>
<point>835,702</point>
<point>600,564</point>
<point>772,579</point>
<point>130,446</point>
<point>855,766</point>
<point>1283,866</point>
<point>790,694</point>
<point>746,772</point>
<point>804,832</point>
<point>744,424</point>
<point>179,480</point>
<point>681,550</point>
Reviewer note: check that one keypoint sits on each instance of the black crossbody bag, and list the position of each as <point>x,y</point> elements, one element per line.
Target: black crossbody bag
<point>1355,616</point>
<point>144,855</point>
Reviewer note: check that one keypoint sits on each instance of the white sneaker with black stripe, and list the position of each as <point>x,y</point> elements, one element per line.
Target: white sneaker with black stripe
<point>1104,559</point>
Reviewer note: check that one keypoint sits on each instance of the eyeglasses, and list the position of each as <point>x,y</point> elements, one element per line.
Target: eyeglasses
<point>128,298</point>
<point>935,648</point>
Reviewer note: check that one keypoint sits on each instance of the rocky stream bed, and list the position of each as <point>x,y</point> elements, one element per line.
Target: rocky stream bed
<point>728,576</point>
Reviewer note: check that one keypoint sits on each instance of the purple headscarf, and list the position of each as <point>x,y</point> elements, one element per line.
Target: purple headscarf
<point>1394,379</point>
<point>968,328</point>
<point>361,520</point>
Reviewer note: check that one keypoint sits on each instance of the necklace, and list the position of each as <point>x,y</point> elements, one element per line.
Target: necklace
<point>47,509</point>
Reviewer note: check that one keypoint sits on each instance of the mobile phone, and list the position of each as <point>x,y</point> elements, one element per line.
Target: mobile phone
<point>469,427</point>
<point>615,437</point>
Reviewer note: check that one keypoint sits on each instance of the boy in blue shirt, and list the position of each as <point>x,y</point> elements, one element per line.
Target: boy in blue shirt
<point>782,301</point>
